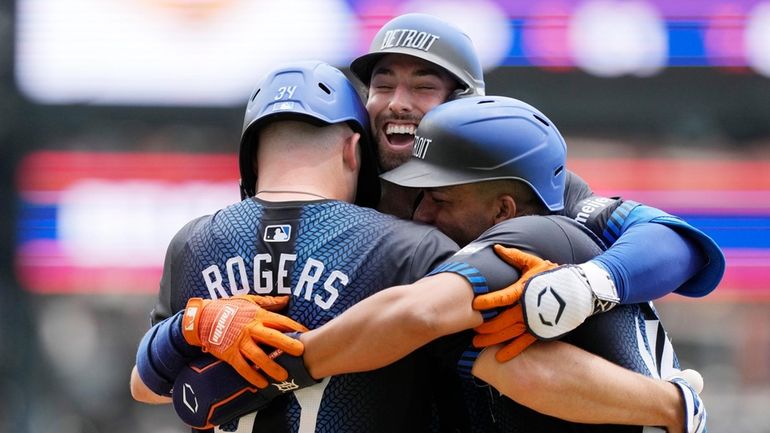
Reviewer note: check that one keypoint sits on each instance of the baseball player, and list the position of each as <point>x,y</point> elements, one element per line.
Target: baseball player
<point>305,136</point>
<point>395,128</point>
<point>189,272</point>
<point>499,182</point>
<point>393,323</point>
<point>417,61</point>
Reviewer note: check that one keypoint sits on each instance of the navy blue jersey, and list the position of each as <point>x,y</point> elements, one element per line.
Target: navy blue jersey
<point>328,256</point>
<point>629,335</point>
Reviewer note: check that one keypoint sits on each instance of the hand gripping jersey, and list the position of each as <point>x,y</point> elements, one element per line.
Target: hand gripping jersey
<point>327,256</point>
<point>629,335</point>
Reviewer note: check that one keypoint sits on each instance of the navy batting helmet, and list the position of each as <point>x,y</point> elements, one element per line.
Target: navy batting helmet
<point>428,38</point>
<point>315,92</point>
<point>487,138</point>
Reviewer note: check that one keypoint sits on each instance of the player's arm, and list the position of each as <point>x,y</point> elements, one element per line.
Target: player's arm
<point>386,326</point>
<point>229,329</point>
<point>142,393</point>
<point>657,253</point>
<point>651,254</point>
<point>611,219</point>
<point>162,311</point>
<point>580,387</point>
<point>657,240</point>
<point>390,324</point>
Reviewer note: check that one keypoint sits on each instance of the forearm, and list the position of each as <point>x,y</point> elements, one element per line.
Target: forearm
<point>141,393</point>
<point>389,325</point>
<point>577,386</point>
<point>650,261</point>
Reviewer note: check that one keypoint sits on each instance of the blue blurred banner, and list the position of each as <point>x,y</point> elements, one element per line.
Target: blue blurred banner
<point>100,222</point>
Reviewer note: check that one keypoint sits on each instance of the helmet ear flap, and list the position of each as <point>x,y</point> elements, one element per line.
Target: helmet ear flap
<point>248,181</point>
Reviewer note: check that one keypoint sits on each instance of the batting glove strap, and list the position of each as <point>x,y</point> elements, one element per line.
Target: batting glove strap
<point>192,316</point>
<point>605,294</point>
<point>694,409</point>
<point>557,301</point>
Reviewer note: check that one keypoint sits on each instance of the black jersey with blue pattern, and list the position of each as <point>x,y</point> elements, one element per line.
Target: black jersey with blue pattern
<point>327,255</point>
<point>629,335</point>
<point>598,214</point>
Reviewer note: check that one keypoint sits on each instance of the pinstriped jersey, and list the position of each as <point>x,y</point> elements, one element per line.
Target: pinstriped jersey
<point>327,255</point>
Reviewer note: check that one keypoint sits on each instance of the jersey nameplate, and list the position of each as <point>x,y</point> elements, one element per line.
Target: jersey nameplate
<point>275,280</point>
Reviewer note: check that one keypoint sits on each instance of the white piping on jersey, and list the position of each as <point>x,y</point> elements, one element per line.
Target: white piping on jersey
<point>648,352</point>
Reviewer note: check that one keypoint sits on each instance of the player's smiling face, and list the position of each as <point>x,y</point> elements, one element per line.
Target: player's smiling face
<point>403,88</point>
<point>462,212</point>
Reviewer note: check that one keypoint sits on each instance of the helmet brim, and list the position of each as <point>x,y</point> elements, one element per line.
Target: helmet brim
<point>417,173</point>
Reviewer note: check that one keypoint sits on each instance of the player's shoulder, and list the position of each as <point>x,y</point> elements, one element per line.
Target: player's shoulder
<point>575,187</point>
<point>537,226</point>
<point>410,235</point>
<point>415,246</point>
<point>582,204</point>
<point>190,229</point>
<point>400,228</point>
<point>546,235</point>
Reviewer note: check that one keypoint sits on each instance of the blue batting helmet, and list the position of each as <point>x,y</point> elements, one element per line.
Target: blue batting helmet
<point>428,38</point>
<point>315,92</point>
<point>487,138</point>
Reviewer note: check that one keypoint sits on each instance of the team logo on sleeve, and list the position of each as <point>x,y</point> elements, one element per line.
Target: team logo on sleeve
<point>277,233</point>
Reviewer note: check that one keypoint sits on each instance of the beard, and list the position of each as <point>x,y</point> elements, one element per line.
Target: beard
<point>390,159</point>
<point>392,155</point>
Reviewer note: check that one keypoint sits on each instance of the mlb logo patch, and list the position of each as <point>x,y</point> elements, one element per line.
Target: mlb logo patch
<point>286,105</point>
<point>277,233</point>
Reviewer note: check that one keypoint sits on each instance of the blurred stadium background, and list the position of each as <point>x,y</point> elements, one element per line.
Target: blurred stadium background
<point>120,120</point>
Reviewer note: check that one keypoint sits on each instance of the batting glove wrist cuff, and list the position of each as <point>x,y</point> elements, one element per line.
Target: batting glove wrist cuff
<point>605,294</point>
<point>694,410</point>
<point>192,317</point>
<point>557,301</point>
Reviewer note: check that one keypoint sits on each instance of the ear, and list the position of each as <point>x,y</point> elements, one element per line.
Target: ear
<point>505,207</point>
<point>351,154</point>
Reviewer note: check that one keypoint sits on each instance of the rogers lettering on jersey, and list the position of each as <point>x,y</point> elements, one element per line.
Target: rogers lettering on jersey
<point>275,280</point>
<point>223,322</point>
<point>408,38</point>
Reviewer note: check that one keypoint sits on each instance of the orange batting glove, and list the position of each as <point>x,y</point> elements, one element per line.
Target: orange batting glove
<point>507,326</point>
<point>232,329</point>
<point>529,266</point>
